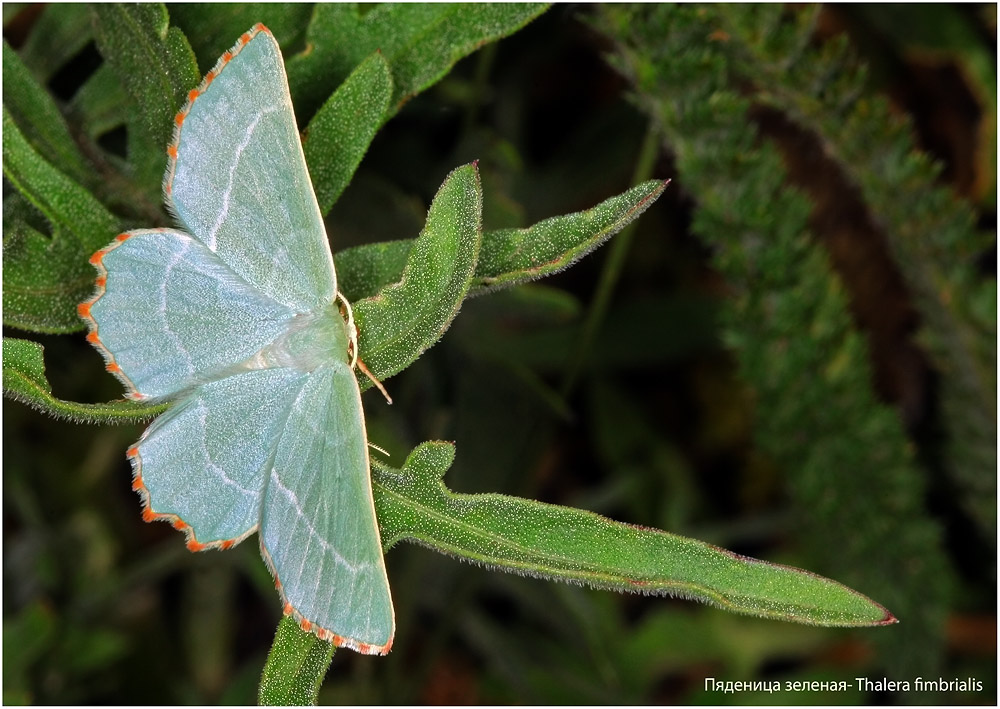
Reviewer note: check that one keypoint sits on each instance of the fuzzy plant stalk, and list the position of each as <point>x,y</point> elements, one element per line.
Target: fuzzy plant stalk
<point>697,71</point>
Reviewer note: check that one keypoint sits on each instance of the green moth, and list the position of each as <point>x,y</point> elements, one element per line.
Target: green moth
<point>237,317</point>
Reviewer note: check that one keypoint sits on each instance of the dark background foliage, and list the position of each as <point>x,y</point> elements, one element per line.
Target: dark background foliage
<point>654,420</point>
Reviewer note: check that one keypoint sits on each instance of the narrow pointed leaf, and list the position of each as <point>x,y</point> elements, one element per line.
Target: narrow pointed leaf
<point>153,61</point>
<point>404,319</point>
<point>45,278</point>
<point>508,256</point>
<point>339,134</point>
<point>34,111</point>
<point>63,202</point>
<point>421,42</point>
<point>24,380</point>
<point>295,667</point>
<point>567,544</point>
<point>512,256</point>
<point>156,68</point>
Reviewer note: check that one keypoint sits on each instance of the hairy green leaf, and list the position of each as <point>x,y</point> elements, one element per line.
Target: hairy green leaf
<point>295,667</point>
<point>362,271</point>
<point>45,279</point>
<point>404,319</point>
<point>566,544</point>
<point>508,256</point>
<point>36,114</point>
<point>339,134</point>
<point>24,380</point>
<point>512,256</point>
<point>153,61</point>
<point>420,41</point>
<point>932,234</point>
<point>849,464</point>
<point>156,68</point>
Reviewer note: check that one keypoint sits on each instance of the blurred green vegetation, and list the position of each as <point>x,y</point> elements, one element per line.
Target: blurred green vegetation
<point>766,371</point>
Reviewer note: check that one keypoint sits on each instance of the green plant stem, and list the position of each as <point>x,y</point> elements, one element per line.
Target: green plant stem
<point>295,667</point>
<point>611,272</point>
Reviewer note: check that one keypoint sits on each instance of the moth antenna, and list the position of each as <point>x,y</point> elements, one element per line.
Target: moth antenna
<point>376,382</point>
<point>383,451</point>
<point>352,333</point>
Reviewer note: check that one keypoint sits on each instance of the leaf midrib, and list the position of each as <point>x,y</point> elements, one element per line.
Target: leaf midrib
<point>486,534</point>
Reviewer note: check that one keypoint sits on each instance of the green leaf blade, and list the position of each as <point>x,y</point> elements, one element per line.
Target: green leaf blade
<point>362,271</point>
<point>24,380</point>
<point>404,319</point>
<point>512,256</point>
<point>156,68</point>
<point>64,203</point>
<point>458,31</point>
<point>36,113</point>
<point>295,667</point>
<point>420,41</point>
<point>154,62</point>
<point>508,257</point>
<point>338,136</point>
<point>45,279</point>
<point>573,545</point>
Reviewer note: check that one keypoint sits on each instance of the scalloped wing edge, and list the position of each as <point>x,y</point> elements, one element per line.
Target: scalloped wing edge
<point>319,631</point>
<point>192,543</point>
<point>93,330</point>
<point>175,521</point>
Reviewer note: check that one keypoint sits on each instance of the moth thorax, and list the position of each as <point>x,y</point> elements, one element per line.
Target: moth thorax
<point>310,341</point>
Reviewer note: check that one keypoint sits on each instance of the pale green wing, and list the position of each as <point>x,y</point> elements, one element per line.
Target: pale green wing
<point>240,317</point>
<point>203,465</point>
<point>237,178</point>
<point>318,529</point>
<point>169,313</point>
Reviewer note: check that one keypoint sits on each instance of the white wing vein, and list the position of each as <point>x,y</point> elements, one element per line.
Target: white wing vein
<point>247,137</point>
<point>203,420</point>
<point>296,505</point>
<point>176,259</point>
